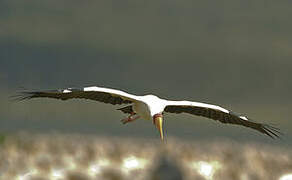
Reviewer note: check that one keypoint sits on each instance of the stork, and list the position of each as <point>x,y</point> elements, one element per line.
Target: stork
<point>151,107</point>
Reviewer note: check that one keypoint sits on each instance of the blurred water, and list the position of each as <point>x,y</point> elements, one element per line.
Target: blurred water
<point>72,156</point>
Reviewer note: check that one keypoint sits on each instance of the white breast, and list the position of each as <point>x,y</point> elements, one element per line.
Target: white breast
<point>149,106</point>
<point>142,110</point>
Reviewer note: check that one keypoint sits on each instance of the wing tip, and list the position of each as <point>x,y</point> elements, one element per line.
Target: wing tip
<point>271,131</point>
<point>267,129</point>
<point>22,96</point>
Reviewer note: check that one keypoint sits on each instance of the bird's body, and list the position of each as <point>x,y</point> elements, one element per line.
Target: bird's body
<point>151,107</point>
<point>142,109</point>
<point>148,106</point>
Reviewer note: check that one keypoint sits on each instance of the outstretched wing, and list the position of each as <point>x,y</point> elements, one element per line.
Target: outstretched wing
<point>218,113</point>
<point>104,95</point>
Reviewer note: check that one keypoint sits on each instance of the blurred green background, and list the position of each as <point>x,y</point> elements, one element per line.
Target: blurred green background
<point>233,53</point>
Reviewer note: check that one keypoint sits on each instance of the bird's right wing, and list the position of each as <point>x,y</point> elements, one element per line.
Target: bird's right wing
<point>105,95</point>
<point>218,113</point>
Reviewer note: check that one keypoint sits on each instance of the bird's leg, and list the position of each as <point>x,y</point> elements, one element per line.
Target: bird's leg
<point>131,118</point>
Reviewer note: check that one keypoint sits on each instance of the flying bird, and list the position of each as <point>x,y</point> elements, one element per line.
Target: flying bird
<point>151,107</point>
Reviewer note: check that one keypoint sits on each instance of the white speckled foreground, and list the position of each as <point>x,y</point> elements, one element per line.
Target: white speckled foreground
<point>84,157</point>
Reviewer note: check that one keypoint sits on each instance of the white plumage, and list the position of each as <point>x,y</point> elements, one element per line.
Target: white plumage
<point>151,107</point>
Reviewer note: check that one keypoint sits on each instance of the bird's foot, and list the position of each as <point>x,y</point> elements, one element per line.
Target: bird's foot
<point>129,119</point>
<point>126,120</point>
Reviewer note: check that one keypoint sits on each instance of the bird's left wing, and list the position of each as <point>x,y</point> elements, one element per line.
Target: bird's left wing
<point>100,94</point>
<point>218,113</point>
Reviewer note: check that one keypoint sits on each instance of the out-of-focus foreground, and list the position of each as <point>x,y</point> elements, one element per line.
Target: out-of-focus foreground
<point>56,156</point>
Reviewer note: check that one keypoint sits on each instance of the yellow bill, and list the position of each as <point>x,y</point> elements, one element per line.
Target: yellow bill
<point>158,123</point>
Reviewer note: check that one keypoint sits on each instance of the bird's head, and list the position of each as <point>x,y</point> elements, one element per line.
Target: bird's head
<point>158,121</point>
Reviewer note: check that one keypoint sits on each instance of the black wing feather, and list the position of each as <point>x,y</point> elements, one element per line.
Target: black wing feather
<point>127,110</point>
<point>230,118</point>
<point>74,93</point>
